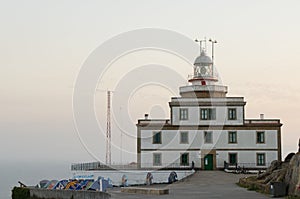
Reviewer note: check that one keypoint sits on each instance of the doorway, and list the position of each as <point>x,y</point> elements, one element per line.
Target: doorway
<point>208,162</point>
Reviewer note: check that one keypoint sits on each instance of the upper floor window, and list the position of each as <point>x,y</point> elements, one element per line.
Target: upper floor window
<point>207,113</point>
<point>156,139</point>
<point>261,159</point>
<point>208,138</point>
<point>183,114</point>
<point>232,114</point>
<point>260,137</point>
<point>184,137</point>
<point>232,137</point>
<point>184,159</point>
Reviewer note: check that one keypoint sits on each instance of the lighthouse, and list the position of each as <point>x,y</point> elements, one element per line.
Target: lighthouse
<point>207,130</point>
<point>204,83</point>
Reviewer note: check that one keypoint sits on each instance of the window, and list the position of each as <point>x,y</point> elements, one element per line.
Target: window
<point>232,158</point>
<point>208,114</point>
<point>156,137</point>
<point>232,114</point>
<point>184,137</point>
<point>260,159</point>
<point>184,159</point>
<point>156,159</point>
<point>260,137</point>
<point>232,137</point>
<point>208,137</point>
<point>183,114</point>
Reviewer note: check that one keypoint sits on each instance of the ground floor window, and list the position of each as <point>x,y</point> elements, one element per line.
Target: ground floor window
<point>156,159</point>
<point>261,159</point>
<point>232,158</point>
<point>184,159</point>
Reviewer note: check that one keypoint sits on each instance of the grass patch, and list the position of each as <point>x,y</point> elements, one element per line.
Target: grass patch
<point>293,197</point>
<point>253,187</point>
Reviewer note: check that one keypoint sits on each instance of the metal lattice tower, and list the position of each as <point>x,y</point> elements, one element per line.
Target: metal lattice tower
<point>108,131</point>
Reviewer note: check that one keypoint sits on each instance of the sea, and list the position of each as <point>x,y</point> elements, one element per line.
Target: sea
<point>31,174</point>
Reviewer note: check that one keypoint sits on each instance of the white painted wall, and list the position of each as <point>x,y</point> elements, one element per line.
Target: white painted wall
<point>245,139</point>
<point>171,147</point>
<point>194,116</point>
<point>169,157</point>
<point>245,157</point>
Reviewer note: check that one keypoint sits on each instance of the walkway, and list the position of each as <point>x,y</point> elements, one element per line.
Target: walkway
<point>203,184</point>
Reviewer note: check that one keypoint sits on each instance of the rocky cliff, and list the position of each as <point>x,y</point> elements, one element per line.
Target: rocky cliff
<point>287,172</point>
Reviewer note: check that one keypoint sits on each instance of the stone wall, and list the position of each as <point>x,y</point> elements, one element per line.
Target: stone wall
<point>67,194</point>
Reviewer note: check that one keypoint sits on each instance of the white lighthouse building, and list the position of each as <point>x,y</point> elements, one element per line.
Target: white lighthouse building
<point>206,129</point>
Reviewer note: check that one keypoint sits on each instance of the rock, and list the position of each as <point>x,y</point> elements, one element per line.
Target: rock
<point>289,157</point>
<point>292,177</point>
<point>287,172</point>
<point>276,164</point>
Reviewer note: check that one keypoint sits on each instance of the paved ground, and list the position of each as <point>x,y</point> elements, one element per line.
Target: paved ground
<point>203,184</point>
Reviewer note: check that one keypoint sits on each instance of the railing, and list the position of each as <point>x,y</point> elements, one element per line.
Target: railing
<point>262,121</point>
<point>244,166</point>
<point>153,121</point>
<point>88,166</point>
<point>190,88</point>
<point>227,99</point>
<point>166,165</point>
<point>100,166</point>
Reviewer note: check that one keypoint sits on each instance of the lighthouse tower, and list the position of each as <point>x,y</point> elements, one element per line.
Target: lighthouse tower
<point>206,128</point>
<point>204,82</point>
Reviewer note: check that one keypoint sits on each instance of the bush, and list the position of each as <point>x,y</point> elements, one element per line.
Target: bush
<point>20,193</point>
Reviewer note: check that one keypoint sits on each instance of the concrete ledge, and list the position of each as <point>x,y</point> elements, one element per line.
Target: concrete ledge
<point>148,191</point>
<point>67,194</point>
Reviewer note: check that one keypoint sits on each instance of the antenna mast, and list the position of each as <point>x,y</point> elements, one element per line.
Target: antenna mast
<point>108,131</point>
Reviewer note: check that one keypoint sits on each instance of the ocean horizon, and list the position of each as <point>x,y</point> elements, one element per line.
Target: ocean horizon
<point>30,174</point>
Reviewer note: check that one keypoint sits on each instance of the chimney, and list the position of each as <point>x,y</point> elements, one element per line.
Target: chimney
<point>146,116</point>
<point>262,116</point>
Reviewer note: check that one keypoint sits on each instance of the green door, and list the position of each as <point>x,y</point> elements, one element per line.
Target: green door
<point>208,162</point>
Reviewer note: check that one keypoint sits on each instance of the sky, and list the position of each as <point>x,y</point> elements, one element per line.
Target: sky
<point>44,45</point>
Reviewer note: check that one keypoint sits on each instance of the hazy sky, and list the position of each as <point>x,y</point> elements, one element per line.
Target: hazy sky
<point>45,43</point>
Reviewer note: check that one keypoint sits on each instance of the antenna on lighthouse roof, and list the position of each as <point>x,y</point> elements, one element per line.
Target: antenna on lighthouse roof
<point>213,42</point>
<point>202,49</point>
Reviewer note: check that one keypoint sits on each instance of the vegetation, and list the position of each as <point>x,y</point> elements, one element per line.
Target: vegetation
<point>293,197</point>
<point>20,193</point>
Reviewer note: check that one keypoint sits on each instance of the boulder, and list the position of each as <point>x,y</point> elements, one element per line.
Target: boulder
<point>289,157</point>
<point>292,176</point>
<point>287,172</point>
<point>275,165</point>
